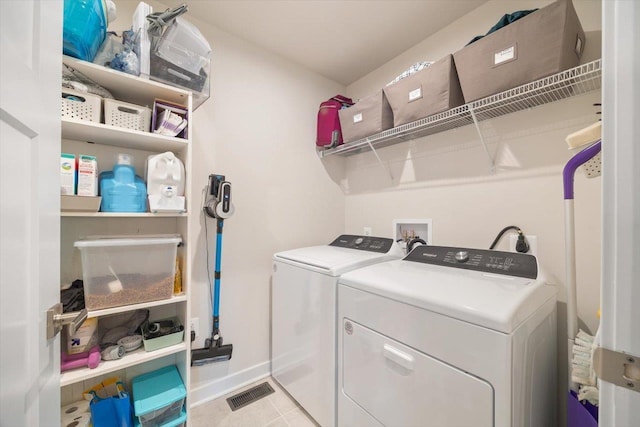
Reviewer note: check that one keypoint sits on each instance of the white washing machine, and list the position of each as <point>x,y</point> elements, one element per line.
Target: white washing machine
<point>447,337</point>
<point>303,307</point>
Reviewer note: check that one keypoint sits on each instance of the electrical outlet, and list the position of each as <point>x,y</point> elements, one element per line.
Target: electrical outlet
<point>195,327</point>
<point>532,240</point>
<point>368,231</point>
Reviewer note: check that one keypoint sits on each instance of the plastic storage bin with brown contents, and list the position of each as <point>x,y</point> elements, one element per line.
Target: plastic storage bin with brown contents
<point>122,271</point>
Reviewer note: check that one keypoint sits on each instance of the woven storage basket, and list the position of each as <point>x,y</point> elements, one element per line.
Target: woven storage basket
<point>125,115</point>
<point>81,105</point>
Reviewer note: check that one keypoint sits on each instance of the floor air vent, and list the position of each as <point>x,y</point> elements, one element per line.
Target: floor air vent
<point>249,396</point>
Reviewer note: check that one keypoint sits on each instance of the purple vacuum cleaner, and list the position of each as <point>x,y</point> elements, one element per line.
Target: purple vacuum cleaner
<point>578,414</point>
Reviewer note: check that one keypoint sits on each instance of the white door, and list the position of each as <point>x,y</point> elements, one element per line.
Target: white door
<point>30,61</point>
<point>620,326</point>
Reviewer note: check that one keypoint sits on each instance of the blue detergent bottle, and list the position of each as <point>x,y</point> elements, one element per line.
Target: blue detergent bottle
<point>121,189</point>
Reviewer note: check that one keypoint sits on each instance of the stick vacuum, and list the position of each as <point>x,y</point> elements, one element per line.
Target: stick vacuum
<point>217,206</point>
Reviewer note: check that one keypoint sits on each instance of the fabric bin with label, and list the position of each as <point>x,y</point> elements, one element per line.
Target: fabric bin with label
<point>81,105</point>
<point>125,115</point>
<point>429,91</point>
<point>544,42</point>
<point>368,116</point>
<point>158,397</point>
<point>123,271</point>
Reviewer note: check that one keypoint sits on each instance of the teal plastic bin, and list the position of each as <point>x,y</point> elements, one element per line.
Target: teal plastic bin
<point>84,28</point>
<point>158,398</point>
<point>181,421</point>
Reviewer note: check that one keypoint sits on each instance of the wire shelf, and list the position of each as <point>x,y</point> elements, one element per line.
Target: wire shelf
<point>573,82</point>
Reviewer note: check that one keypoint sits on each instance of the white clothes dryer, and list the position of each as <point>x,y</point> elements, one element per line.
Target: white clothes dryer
<point>447,337</point>
<point>303,307</point>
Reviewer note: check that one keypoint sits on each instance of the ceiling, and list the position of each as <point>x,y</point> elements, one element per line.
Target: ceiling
<point>340,39</point>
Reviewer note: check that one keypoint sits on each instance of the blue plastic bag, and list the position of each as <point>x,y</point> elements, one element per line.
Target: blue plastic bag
<point>116,411</point>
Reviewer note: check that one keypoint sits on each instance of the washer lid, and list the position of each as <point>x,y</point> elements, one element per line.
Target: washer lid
<point>495,301</point>
<point>335,259</point>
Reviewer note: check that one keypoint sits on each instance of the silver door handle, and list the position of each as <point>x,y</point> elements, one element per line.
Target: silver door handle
<point>56,320</point>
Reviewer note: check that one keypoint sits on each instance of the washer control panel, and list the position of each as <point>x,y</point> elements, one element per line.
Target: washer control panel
<point>364,243</point>
<point>507,263</point>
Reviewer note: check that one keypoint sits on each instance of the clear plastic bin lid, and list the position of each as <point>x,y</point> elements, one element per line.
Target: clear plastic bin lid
<point>103,241</point>
<point>183,45</point>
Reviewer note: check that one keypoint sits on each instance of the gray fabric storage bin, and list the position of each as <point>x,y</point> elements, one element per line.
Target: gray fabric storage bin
<point>368,116</point>
<point>545,42</point>
<point>430,91</point>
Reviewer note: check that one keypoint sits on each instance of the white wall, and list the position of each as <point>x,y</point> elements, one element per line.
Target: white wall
<point>258,128</point>
<point>446,176</point>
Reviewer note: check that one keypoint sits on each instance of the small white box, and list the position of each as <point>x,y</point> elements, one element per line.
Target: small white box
<point>82,340</point>
<point>67,174</point>
<point>87,176</point>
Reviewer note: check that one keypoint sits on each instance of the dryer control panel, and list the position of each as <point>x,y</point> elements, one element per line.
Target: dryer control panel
<point>506,263</point>
<point>364,243</point>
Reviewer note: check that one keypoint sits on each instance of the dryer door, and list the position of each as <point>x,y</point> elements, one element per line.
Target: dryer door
<point>397,385</point>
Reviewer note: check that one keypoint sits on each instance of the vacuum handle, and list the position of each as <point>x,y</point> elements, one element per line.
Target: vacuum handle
<point>574,163</point>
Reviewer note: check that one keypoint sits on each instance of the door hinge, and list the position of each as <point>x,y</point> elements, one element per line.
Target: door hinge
<point>618,368</point>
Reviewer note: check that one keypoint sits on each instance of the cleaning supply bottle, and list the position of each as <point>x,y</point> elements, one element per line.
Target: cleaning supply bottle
<point>165,183</point>
<point>121,189</point>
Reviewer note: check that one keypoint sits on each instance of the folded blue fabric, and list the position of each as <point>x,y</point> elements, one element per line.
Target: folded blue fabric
<point>504,21</point>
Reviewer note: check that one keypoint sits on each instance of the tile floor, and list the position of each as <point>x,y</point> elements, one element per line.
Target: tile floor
<point>275,410</point>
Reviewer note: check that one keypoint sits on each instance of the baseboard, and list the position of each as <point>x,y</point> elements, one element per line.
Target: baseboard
<point>221,386</point>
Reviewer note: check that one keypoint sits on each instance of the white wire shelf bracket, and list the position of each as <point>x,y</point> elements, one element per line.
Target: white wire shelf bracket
<point>569,83</point>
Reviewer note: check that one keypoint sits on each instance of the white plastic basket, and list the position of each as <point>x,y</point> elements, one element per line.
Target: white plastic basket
<point>125,115</point>
<point>81,105</point>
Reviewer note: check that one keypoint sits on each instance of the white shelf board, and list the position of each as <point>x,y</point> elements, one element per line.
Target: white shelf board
<point>131,307</point>
<point>126,87</point>
<point>573,82</point>
<point>130,359</point>
<point>124,214</point>
<point>83,130</point>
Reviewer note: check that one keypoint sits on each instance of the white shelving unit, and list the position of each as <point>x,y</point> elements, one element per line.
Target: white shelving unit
<point>105,142</point>
<point>124,214</point>
<point>122,309</point>
<point>573,82</point>
<point>108,135</point>
<point>134,358</point>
